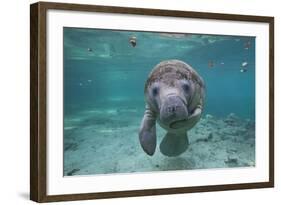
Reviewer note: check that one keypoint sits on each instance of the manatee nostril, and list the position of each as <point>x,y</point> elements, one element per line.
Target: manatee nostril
<point>172,109</point>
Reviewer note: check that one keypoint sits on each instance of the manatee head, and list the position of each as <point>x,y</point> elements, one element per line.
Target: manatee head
<point>169,91</point>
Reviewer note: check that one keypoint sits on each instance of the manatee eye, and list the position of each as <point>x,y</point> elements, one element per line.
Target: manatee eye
<point>185,87</point>
<point>155,91</point>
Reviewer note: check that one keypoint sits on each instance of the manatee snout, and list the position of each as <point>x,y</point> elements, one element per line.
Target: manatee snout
<point>173,109</point>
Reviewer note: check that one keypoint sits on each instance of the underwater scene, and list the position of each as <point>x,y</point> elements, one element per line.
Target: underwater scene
<point>140,101</point>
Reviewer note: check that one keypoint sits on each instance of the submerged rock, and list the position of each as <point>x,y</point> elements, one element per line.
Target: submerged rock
<point>72,172</point>
<point>210,120</point>
<point>231,119</point>
<point>251,163</point>
<point>208,138</point>
<point>232,160</point>
<point>225,136</point>
<point>231,150</point>
<point>249,124</point>
<point>209,117</point>
<point>232,116</point>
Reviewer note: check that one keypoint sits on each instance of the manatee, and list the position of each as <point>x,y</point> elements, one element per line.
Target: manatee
<point>174,95</point>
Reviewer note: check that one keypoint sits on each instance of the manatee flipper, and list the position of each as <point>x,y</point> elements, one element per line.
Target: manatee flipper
<point>174,143</point>
<point>194,117</point>
<point>147,133</point>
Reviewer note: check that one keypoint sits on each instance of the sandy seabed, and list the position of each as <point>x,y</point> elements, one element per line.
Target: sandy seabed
<point>103,141</point>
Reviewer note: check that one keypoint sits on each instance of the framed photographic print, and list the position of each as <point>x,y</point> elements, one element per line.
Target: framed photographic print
<point>133,102</point>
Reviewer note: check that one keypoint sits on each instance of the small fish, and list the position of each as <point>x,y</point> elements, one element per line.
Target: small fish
<point>89,81</point>
<point>243,70</point>
<point>222,63</point>
<point>80,84</point>
<point>133,41</point>
<point>90,49</point>
<point>244,64</point>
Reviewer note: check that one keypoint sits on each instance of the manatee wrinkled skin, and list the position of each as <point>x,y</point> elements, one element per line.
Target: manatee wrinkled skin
<point>174,95</point>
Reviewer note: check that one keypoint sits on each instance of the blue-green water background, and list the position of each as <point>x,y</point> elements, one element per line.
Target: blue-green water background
<point>114,71</point>
<point>104,77</point>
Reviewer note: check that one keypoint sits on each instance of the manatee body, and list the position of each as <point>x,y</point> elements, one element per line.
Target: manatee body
<point>174,95</point>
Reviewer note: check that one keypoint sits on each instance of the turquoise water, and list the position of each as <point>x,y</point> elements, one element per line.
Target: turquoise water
<point>104,77</point>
